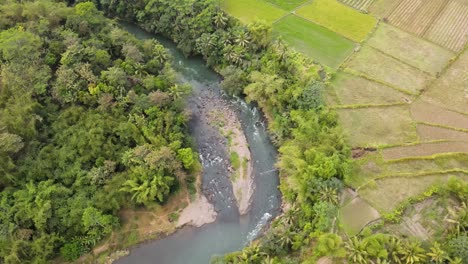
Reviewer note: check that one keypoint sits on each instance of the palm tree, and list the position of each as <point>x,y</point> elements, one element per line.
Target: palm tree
<point>456,260</point>
<point>243,39</point>
<point>159,53</point>
<point>329,195</point>
<point>394,248</point>
<point>458,217</point>
<point>437,255</point>
<point>357,252</point>
<point>412,253</point>
<point>220,20</point>
<point>268,260</point>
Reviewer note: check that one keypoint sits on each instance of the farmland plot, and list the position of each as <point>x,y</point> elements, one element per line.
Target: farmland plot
<point>410,49</point>
<point>450,30</point>
<point>429,113</point>
<point>313,40</point>
<point>376,126</point>
<point>424,149</point>
<point>451,89</point>
<point>416,15</point>
<point>354,90</point>
<point>428,133</point>
<point>358,4</point>
<point>388,70</point>
<point>339,18</point>
<point>398,189</point>
<point>383,8</point>
<point>248,11</point>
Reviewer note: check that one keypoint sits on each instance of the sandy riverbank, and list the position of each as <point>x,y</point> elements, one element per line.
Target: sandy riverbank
<point>197,213</point>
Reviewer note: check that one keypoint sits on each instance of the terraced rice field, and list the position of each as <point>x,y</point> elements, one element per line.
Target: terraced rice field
<point>444,22</point>
<point>356,214</point>
<point>350,89</point>
<point>450,29</point>
<point>428,113</point>
<point>451,89</point>
<point>416,16</point>
<point>424,149</point>
<point>376,126</point>
<point>358,4</point>
<point>315,41</point>
<point>384,69</point>
<point>339,18</point>
<point>410,49</point>
<point>399,189</point>
<point>432,133</point>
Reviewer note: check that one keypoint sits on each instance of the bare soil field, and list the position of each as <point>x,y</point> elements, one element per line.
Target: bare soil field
<point>388,70</point>
<point>424,149</point>
<point>450,29</point>
<point>358,4</point>
<point>451,89</point>
<point>351,89</point>
<point>398,189</point>
<point>376,126</point>
<point>410,49</point>
<point>431,133</point>
<point>429,113</point>
<point>416,16</point>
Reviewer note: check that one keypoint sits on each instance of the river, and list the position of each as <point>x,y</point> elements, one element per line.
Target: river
<point>230,231</point>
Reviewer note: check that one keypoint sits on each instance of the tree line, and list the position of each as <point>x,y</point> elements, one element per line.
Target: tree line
<point>91,120</point>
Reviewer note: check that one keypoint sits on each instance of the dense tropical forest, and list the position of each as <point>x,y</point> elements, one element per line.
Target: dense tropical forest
<point>92,121</point>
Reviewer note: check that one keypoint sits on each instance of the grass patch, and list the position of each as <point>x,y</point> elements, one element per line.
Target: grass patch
<point>351,89</point>
<point>410,49</point>
<point>376,126</point>
<point>388,70</point>
<point>313,40</point>
<point>248,11</point>
<point>287,4</point>
<point>235,160</point>
<point>339,18</point>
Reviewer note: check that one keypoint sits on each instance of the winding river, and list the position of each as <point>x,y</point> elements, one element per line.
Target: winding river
<point>230,231</point>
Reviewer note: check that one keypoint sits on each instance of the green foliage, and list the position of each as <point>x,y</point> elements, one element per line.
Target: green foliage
<point>235,160</point>
<point>186,156</point>
<point>86,110</point>
<point>330,245</point>
<point>458,247</point>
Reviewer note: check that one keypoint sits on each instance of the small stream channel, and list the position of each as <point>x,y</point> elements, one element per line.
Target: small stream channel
<point>230,231</point>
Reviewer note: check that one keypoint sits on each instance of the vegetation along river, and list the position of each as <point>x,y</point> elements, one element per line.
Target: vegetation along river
<point>231,231</point>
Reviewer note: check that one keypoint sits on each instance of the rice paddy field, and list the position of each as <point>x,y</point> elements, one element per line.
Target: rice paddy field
<point>327,31</point>
<point>339,18</point>
<point>317,42</point>
<point>399,86</point>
